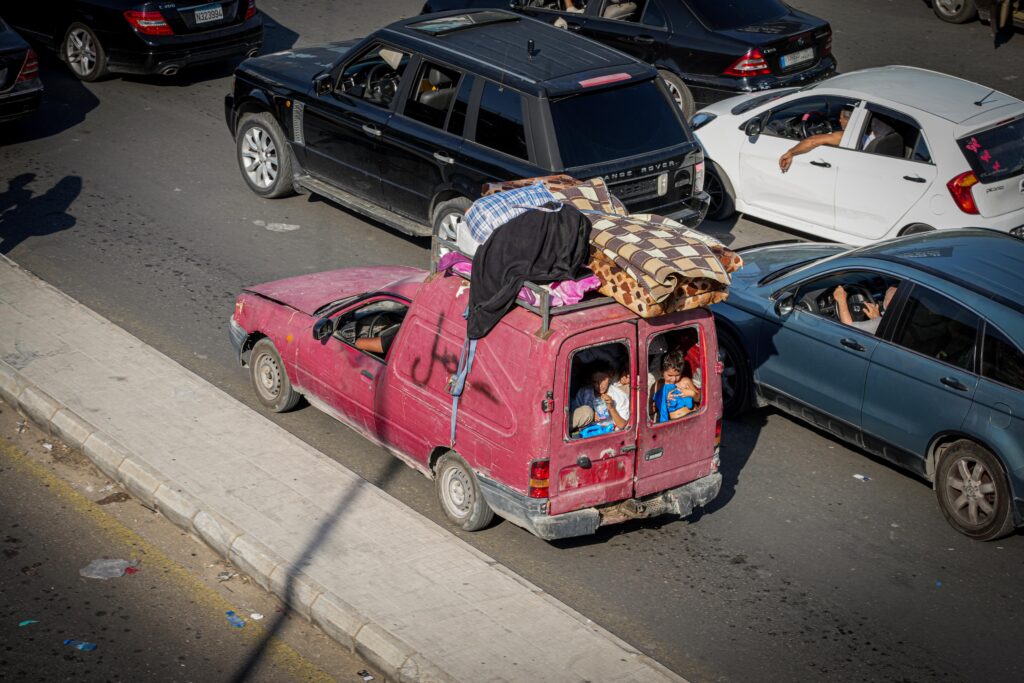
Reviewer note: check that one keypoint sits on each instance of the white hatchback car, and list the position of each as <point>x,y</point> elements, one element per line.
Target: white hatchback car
<point>921,151</point>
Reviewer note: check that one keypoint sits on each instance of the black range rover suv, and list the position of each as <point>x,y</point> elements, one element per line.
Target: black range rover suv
<point>406,125</point>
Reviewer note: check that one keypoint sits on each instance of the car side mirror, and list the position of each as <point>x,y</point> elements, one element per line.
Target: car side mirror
<point>323,84</point>
<point>784,304</point>
<point>323,328</point>
<point>753,127</point>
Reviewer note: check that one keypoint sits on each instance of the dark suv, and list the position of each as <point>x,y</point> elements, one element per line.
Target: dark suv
<point>406,125</point>
<point>706,50</point>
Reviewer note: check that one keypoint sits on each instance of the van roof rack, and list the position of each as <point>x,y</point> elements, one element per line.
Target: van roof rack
<point>440,246</point>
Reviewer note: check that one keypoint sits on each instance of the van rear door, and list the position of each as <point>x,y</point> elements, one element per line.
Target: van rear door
<point>676,452</point>
<point>599,469</point>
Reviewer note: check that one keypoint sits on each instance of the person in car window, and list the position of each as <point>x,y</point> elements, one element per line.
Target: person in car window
<point>871,310</point>
<point>378,345</point>
<point>601,402</point>
<point>675,394</point>
<point>807,144</point>
<point>570,6</point>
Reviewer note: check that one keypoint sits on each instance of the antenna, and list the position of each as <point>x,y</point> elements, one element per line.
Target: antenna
<point>530,48</point>
<point>982,100</point>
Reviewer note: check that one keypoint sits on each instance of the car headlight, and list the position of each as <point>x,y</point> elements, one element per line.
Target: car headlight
<point>701,119</point>
<point>1018,231</point>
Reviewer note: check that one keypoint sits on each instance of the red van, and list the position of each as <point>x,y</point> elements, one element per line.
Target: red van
<point>377,348</point>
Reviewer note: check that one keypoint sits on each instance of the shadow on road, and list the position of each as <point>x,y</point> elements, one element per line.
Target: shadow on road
<point>66,102</point>
<point>24,214</point>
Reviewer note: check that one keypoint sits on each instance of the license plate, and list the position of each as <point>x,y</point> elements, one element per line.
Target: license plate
<point>208,13</point>
<point>797,57</point>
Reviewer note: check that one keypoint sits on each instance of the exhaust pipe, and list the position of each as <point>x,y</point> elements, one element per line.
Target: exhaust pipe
<point>169,70</point>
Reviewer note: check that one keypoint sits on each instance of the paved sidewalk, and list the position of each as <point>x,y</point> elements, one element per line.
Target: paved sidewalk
<point>408,595</point>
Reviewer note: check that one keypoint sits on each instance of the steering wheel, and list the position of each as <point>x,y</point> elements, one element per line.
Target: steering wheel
<point>376,324</point>
<point>380,83</point>
<point>856,297</point>
<point>814,123</point>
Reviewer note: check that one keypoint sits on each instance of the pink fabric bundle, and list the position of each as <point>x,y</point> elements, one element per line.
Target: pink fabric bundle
<point>562,293</point>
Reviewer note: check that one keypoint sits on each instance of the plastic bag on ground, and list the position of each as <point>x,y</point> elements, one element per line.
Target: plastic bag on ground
<point>106,569</point>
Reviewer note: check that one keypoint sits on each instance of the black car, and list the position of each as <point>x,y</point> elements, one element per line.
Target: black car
<point>20,87</point>
<point>407,124</point>
<point>706,50</point>
<point>96,37</point>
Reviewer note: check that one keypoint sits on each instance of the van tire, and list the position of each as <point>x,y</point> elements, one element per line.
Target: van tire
<point>459,494</point>
<point>269,379</point>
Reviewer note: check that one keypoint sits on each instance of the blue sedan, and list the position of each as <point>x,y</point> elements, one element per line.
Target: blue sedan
<point>910,349</point>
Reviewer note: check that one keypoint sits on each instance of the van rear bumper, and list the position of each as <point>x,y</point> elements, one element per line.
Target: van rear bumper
<point>531,513</point>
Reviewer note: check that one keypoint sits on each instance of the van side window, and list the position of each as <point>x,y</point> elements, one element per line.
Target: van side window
<point>432,94</point>
<point>600,395</point>
<point>1001,360</point>
<point>457,117</point>
<point>499,124</point>
<point>675,373</point>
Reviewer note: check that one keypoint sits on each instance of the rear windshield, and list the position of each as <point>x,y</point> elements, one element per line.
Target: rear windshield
<point>725,14</point>
<point>600,126</point>
<point>997,152</point>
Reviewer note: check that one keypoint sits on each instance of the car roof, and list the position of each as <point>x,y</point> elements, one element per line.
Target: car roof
<point>986,262</point>
<point>945,96</point>
<point>495,44</point>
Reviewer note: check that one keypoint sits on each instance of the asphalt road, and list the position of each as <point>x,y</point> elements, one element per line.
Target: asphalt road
<point>125,194</point>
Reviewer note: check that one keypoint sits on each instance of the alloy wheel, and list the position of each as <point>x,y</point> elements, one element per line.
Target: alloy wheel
<point>449,226</point>
<point>713,186</point>
<point>259,157</point>
<point>949,7</point>
<point>80,52</point>
<point>972,492</point>
<point>673,91</point>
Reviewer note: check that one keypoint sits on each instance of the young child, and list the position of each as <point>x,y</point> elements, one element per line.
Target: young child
<point>675,394</point>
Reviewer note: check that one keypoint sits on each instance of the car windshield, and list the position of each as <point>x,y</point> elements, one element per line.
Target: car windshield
<point>604,125</point>
<point>721,15</point>
<point>996,153</point>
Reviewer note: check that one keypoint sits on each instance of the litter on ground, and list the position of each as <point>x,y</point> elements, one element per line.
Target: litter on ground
<point>108,569</point>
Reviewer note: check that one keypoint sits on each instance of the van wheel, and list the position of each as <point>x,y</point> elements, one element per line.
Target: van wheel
<point>269,379</point>
<point>263,156</point>
<point>723,200</point>
<point>681,95</point>
<point>447,217</point>
<point>459,494</point>
<point>916,229</point>
<point>84,53</point>
<point>955,11</point>
<point>973,493</point>
<point>736,379</point>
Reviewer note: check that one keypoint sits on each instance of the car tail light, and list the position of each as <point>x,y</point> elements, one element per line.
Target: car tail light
<point>250,11</point>
<point>604,80</point>
<point>750,64</point>
<point>540,471</point>
<point>30,68</point>
<point>827,48</point>
<point>698,177</point>
<point>148,22</point>
<point>960,188</point>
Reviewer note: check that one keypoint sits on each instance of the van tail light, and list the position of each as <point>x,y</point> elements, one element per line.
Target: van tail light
<point>250,11</point>
<point>750,64</point>
<point>960,188</point>
<point>698,177</point>
<point>148,22</point>
<point>540,471</point>
<point>29,69</point>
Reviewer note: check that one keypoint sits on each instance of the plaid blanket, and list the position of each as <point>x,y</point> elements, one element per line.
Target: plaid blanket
<point>587,196</point>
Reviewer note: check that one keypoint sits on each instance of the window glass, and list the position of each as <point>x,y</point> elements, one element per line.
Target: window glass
<point>600,395</point>
<point>921,152</point>
<point>888,136</point>
<point>374,75</point>
<point>372,328</point>
<point>622,10</point>
<point>604,125</point>
<point>653,16</point>
<point>432,94</point>
<point>457,119</point>
<point>996,153</point>
<point>805,117</point>
<point>726,14</point>
<point>675,373</point>
<point>1002,361</point>
<point>938,328</point>
<point>862,303</point>
<point>574,6</point>
<point>499,124</point>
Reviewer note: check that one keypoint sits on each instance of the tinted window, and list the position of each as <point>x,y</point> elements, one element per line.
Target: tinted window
<point>805,117</point>
<point>996,153</point>
<point>432,94</point>
<point>1002,361</point>
<point>653,16</point>
<point>457,119</point>
<point>499,124</point>
<point>622,10</point>
<point>921,152</point>
<point>889,136</point>
<point>724,14</point>
<point>594,127</point>
<point>938,328</point>
<point>374,75</point>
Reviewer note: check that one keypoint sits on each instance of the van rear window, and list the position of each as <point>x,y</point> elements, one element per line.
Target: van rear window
<point>605,125</point>
<point>996,153</point>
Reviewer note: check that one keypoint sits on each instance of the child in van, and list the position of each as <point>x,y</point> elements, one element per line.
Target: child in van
<point>602,402</point>
<point>675,394</point>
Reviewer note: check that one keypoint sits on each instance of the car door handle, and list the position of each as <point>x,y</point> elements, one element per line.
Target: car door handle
<point>643,40</point>
<point>443,158</point>
<point>372,131</point>
<point>954,383</point>
<point>821,164</point>
<point>852,344</point>
<point>573,27</point>
<point>915,179</point>
<point>654,454</point>
<point>367,374</point>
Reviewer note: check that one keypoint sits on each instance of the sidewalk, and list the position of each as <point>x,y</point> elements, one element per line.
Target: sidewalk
<point>375,575</point>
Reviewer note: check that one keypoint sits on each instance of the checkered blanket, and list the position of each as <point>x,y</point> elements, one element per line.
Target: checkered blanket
<point>587,196</point>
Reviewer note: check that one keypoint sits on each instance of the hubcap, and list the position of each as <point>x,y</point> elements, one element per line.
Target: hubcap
<point>259,157</point>
<point>81,52</point>
<point>455,489</point>
<point>972,493</point>
<point>268,376</point>
<point>949,7</point>
<point>449,227</point>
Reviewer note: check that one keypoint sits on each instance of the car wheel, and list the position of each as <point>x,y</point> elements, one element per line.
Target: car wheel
<point>681,94</point>
<point>269,379</point>
<point>955,11</point>
<point>447,217</point>
<point>723,202</point>
<point>973,493</point>
<point>459,494</point>
<point>916,229</point>
<point>84,53</point>
<point>264,157</point>
<point>736,379</point>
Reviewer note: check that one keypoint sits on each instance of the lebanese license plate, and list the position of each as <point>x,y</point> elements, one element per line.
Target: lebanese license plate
<point>798,57</point>
<point>207,13</point>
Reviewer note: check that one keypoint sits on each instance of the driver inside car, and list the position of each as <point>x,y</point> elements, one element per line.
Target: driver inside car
<point>871,310</point>
<point>807,144</point>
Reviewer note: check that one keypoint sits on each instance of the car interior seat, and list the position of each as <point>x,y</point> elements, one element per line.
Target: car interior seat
<point>889,145</point>
<point>441,92</point>
<point>618,9</point>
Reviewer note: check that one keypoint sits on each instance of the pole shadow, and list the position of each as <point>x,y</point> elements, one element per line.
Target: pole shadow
<point>24,215</point>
